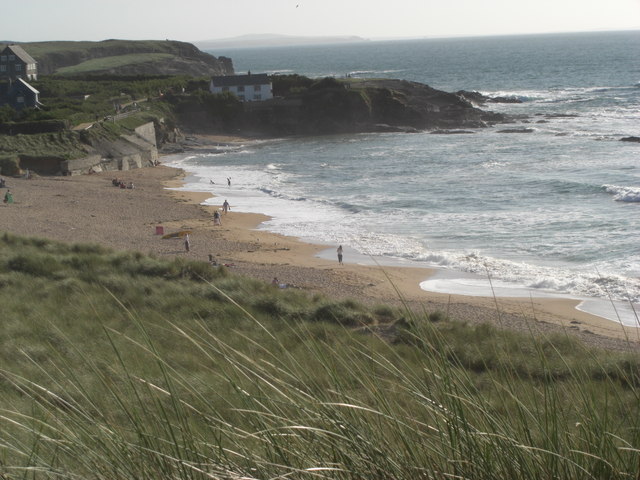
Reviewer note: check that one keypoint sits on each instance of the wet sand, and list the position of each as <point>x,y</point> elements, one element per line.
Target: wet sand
<point>89,208</point>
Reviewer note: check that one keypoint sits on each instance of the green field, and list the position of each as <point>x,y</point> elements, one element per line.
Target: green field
<point>108,63</point>
<point>39,49</point>
<point>120,365</point>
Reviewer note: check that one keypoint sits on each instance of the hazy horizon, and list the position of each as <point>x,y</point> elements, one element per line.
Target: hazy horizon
<point>310,39</point>
<point>203,20</point>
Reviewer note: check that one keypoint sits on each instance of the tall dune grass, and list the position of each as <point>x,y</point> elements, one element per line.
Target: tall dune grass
<point>117,365</point>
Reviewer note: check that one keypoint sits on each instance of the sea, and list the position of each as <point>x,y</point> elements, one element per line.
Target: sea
<point>554,212</point>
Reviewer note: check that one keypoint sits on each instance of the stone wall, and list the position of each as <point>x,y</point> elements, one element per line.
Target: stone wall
<point>148,133</point>
<point>126,153</point>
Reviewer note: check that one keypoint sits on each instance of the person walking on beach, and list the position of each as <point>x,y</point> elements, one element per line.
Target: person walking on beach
<point>216,218</point>
<point>8,197</point>
<point>340,254</point>
<point>226,207</point>
<point>187,242</point>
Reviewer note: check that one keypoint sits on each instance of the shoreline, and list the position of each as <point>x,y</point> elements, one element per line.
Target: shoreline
<point>89,209</point>
<point>401,284</point>
<point>389,282</point>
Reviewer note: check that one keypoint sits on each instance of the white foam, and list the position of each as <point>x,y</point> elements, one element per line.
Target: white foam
<point>461,283</point>
<point>625,313</point>
<point>454,283</point>
<point>623,194</point>
<point>272,188</point>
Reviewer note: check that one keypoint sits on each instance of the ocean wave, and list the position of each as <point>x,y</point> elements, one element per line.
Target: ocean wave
<point>240,152</point>
<point>369,72</point>
<point>623,194</point>
<point>524,96</point>
<point>495,164</point>
<point>540,278</point>
<point>283,196</point>
<point>569,95</point>
<point>347,206</point>
<point>285,71</point>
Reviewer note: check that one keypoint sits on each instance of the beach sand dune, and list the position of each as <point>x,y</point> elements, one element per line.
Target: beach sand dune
<point>89,209</point>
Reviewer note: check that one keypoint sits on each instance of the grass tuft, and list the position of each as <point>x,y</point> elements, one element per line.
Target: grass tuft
<point>130,366</point>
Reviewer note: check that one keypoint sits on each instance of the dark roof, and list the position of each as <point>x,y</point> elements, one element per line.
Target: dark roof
<point>21,81</point>
<point>19,52</point>
<point>233,80</point>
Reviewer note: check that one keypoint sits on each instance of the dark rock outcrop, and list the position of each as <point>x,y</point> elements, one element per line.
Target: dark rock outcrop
<point>344,106</point>
<point>630,139</point>
<point>516,130</point>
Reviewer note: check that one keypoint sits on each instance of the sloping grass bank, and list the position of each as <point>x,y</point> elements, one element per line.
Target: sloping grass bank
<point>120,365</point>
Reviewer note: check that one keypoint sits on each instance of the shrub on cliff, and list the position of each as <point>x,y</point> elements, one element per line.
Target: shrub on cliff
<point>204,109</point>
<point>9,165</point>
<point>284,85</point>
<point>330,106</point>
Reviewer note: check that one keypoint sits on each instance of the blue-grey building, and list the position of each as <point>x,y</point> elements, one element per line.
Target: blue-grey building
<point>18,94</point>
<point>16,63</point>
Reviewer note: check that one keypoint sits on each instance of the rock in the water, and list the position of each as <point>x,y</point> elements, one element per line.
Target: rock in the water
<point>516,130</point>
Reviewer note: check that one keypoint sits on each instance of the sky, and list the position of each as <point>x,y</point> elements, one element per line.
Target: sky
<point>198,20</point>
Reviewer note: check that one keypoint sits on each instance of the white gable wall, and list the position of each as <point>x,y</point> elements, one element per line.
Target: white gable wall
<point>246,93</point>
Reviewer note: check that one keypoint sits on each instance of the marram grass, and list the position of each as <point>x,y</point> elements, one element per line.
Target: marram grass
<point>121,366</point>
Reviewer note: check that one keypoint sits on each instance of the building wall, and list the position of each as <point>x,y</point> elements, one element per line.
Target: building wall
<point>18,96</point>
<point>12,67</point>
<point>148,132</point>
<point>129,152</point>
<point>246,93</point>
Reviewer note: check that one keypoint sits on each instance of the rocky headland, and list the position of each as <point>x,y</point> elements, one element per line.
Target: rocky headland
<point>305,106</point>
<point>126,57</point>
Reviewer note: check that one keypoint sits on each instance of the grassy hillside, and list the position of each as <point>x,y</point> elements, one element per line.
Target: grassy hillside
<point>119,365</point>
<point>64,145</point>
<point>153,57</point>
<point>114,62</point>
<point>69,102</point>
<point>41,49</point>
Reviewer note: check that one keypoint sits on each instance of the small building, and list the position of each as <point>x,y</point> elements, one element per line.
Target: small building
<point>18,94</point>
<point>248,88</point>
<point>16,63</point>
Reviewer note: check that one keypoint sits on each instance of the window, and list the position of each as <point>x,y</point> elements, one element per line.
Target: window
<point>3,58</point>
<point>256,88</point>
<point>241,98</point>
<point>20,99</point>
<point>241,88</point>
<point>225,89</point>
<point>12,58</point>
<point>18,67</point>
<point>3,68</point>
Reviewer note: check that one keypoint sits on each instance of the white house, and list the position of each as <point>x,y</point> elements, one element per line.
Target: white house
<point>248,88</point>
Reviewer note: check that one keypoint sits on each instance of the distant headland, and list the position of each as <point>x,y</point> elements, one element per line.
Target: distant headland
<point>274,40</point>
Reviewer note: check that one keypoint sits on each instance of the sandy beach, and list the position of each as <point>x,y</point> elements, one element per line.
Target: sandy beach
<point>89,208</point>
